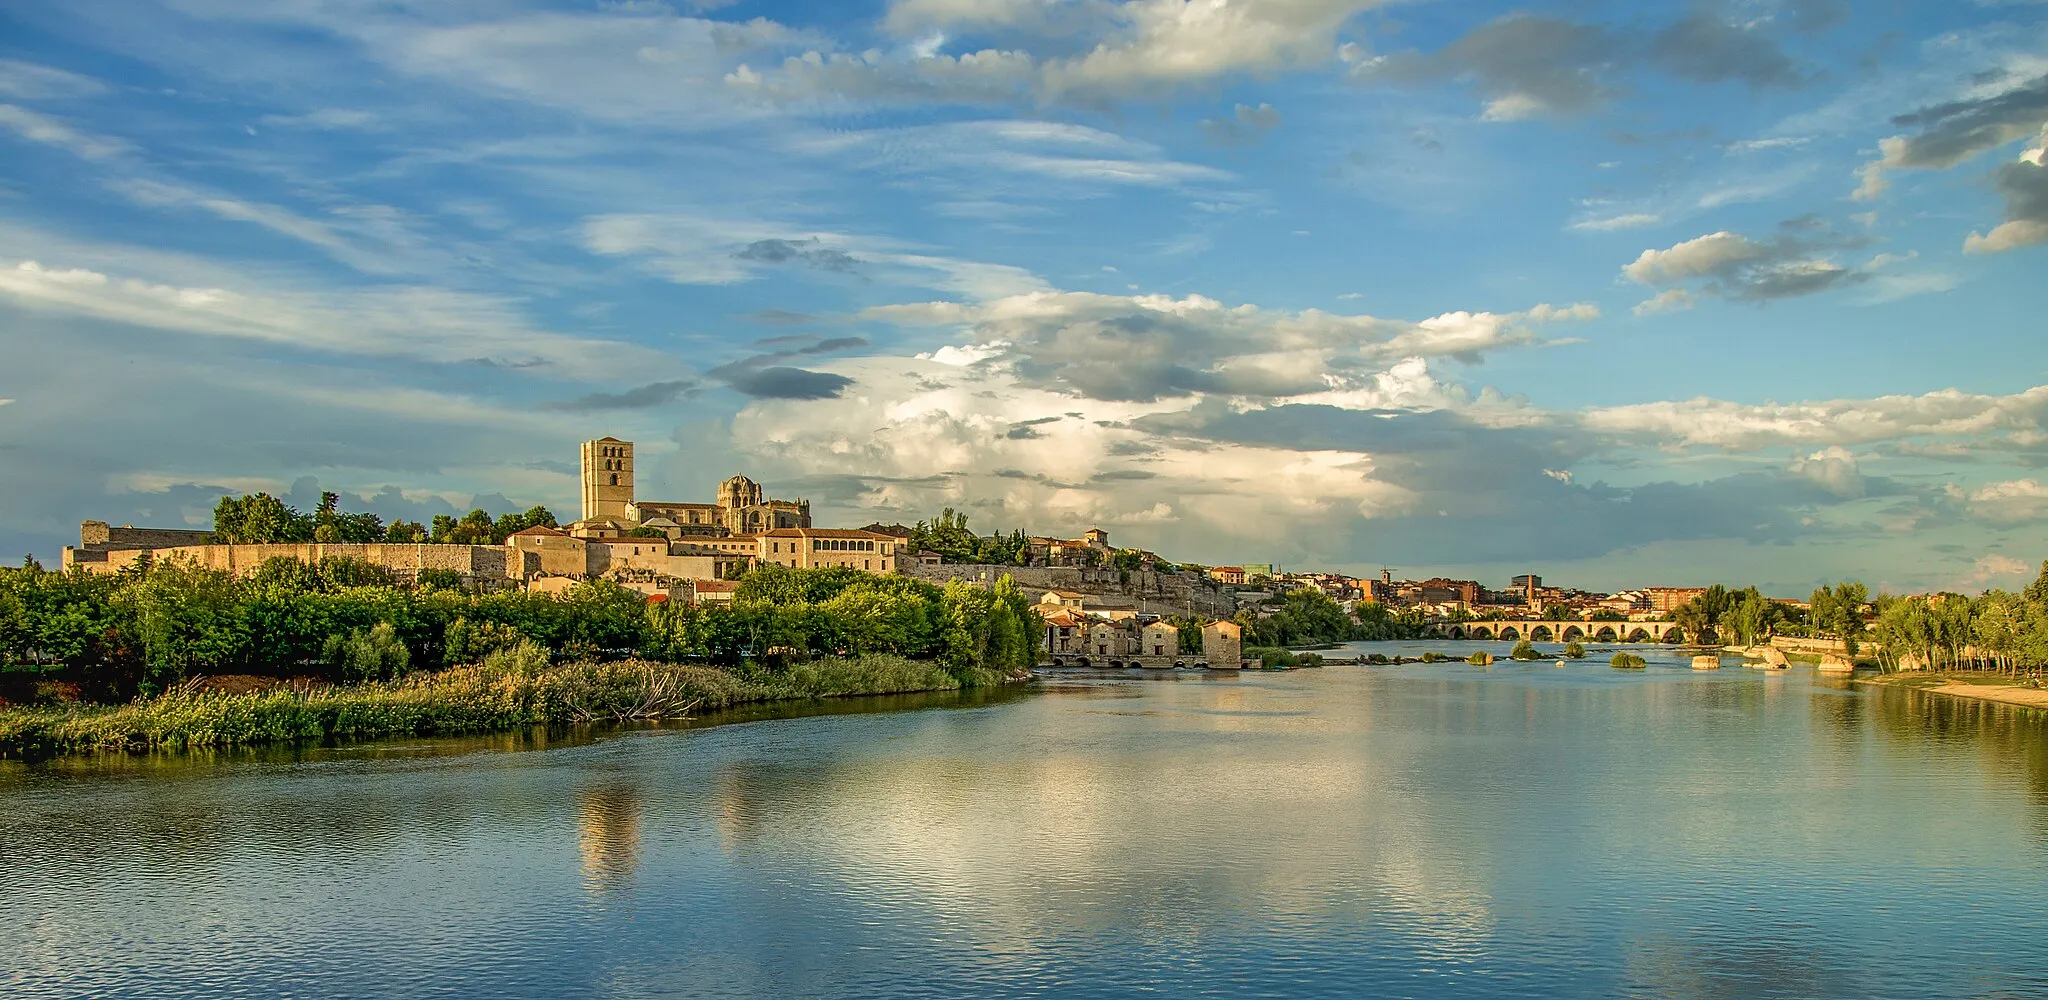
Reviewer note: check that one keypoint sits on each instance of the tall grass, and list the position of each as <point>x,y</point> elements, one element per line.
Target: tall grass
<point>511,689</point>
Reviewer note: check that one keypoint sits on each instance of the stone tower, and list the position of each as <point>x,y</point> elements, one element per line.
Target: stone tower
<point>608,479</point>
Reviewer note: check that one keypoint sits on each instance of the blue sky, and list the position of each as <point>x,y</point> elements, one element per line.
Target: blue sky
<point>1621,293</point>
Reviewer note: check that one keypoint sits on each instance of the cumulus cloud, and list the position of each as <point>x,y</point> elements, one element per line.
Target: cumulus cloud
<point>1835,468</point>
<point>2024,184</point>
<point>1146,347</point>
<point>2011,503</point>
<point>1738,267</point>
<point>2002,111</point>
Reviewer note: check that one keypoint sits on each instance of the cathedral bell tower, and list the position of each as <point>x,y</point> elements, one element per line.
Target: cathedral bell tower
<point>608,480</point>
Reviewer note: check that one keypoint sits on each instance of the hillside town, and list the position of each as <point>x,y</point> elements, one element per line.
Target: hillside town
<point>1099,603</point>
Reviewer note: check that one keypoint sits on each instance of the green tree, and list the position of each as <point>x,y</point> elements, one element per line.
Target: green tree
<point>259,519</point>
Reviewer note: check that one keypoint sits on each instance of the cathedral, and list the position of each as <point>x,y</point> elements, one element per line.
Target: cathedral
<point>609,507</point>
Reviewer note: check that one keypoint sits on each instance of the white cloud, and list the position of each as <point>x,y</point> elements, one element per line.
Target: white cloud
<point>431,324</point>
<point>1630,220</point>
<point>1733,265</point>
<point>38,127</point>
<point>2011,503</point>
<point>701,249</point>
<point>1164,346</point>
<point>1668,300</point>
<point>326,119</point>
<point>918,435</point>
<point>1695,258</point>
<point>1994,570</point>
<point>27,81</point>
<point>1131,50</point>
<point>1835,468</point>
<point>1713,423</point>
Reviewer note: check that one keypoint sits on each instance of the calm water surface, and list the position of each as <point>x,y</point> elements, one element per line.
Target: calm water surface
<point>1438,830</point>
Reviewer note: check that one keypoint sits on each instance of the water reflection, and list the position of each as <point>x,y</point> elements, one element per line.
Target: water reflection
<point>608,834</point>
<point>1414,830</point>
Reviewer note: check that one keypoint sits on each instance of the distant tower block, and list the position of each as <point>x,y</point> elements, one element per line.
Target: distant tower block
<point>608,479</point>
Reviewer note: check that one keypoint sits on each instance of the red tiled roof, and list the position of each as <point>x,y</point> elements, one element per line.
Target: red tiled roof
<point>539,529</point>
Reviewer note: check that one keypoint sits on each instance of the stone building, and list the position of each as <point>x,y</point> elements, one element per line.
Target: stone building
<point>103,547</point>
<point>1160,639</point>
<point>805,548</point>
<point>1223,645</point>
<point>610,507</point>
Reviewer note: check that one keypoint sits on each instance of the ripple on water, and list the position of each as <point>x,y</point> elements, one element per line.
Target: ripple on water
<point>1413,830</point>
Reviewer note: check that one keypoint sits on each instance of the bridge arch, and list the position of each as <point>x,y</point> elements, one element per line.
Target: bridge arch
<point>1572,632</point>
<point>1540,633</point>
<point>1508,632</point>
<point>1605,633</point>
<point>1457,632</point>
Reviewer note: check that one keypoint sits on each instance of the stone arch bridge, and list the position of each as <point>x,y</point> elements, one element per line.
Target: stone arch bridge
<point>1565,631</point>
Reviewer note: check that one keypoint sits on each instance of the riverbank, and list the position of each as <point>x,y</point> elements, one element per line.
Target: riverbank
<point>504,693</point>
<point>2000,688</point>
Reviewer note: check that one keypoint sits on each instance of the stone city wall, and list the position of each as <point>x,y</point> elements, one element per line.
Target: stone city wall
<point>101,535</point>
<point>476,562</point>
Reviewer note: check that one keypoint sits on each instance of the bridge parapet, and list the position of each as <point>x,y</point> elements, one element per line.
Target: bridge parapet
<point>1512,631</point>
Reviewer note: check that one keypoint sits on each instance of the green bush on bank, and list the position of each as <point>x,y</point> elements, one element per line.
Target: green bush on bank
<point>145,630</point>
<point>1273,656</point>
<point>1524,650</point>
<point>512,689</point>
<point>1627,661</point>
<point>1574,651</point>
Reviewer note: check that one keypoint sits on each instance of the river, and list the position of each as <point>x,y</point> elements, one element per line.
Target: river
<point>1418,830</point>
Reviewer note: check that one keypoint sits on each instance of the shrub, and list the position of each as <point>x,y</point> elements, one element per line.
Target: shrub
<point>1434,657</point>
<point>438,579</point>
<point>371,654</point>
<point>1574,651</point>
<point>1480,659</point>
<point>1524,650</point>
<point>1376,658</point>
<point>1627,661</point>
<point>468,642</point>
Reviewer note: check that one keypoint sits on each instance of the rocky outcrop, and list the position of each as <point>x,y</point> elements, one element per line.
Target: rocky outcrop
<point>1706,661</point>
<point>1836,663</point>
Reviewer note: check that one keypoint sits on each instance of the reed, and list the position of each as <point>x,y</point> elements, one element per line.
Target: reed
<point>510,690</point>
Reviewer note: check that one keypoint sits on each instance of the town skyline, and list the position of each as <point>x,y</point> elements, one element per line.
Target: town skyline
<point>1739,292</point>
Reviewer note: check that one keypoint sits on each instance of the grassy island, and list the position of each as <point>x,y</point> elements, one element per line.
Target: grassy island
<point>171,656</point>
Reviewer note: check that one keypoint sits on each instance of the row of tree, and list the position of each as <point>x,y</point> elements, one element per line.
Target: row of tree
<point>262,519</point>
<point>143,629</point>
<point>950,537</point>
<point>1307,617</point>
<point>1998,630</point>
